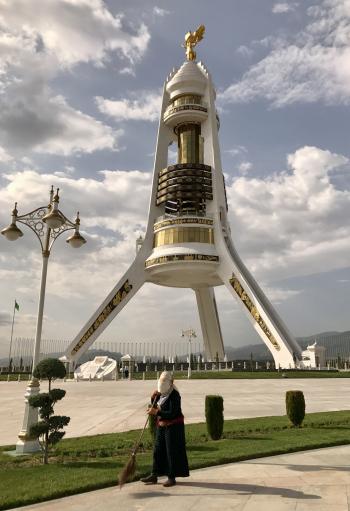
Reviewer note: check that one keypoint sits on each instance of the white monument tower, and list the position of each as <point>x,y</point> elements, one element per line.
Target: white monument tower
<point>188,240</point>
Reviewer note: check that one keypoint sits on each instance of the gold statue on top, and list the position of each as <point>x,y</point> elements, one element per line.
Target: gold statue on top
<point>191,39</point>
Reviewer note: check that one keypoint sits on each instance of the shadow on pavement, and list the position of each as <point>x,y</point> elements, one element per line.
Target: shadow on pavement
<point>307,468</point>
<point>240,489</point>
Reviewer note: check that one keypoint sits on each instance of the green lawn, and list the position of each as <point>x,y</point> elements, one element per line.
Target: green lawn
<point>223,374</point>
<point>86,463</point>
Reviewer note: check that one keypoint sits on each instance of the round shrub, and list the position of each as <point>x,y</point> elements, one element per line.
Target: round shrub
<point>214,415</point>
<point>295,407</point>
<point>50,369</point>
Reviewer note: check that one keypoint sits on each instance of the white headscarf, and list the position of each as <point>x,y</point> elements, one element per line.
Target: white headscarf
<point>165,386</point>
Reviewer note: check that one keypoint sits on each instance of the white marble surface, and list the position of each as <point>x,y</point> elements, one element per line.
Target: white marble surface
<point>307,481</point>
<point>105,407</point>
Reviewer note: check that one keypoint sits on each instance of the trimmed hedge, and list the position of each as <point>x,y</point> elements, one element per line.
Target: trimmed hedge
<point>214,416</point>
<point>295,407</point>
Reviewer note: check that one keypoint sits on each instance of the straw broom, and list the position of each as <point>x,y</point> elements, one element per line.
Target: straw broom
<point>130,468</point>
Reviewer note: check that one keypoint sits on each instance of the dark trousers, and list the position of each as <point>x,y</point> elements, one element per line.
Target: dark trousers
<point>169,453</point>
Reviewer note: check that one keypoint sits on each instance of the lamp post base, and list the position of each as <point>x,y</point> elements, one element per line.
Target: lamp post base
<point>27,444</point>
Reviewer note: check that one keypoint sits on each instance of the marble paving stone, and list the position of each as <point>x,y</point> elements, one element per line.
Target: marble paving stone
<point>110,406</point>
<point>233,487</point>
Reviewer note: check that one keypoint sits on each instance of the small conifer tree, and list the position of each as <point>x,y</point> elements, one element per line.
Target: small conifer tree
<point>48,429</point>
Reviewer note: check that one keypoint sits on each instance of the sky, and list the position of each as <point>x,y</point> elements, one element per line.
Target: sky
<point>80,90</point>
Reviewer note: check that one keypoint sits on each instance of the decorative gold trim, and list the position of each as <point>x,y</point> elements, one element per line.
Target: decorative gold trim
<point>181,257</point>
<point>113,303</point>
<point>181,108</point>
<point>237,286</point>
<point>182,220</point>
<point>185,166</point>
<point>174,235</point>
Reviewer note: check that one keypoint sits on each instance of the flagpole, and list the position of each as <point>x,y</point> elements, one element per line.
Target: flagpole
<point>13,322</point>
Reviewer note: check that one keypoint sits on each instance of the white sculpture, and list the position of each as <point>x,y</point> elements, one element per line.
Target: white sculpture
<point>97,369</point>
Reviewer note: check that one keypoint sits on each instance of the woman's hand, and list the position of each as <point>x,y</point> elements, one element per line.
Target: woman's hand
<point>154,395</point>
<point>152,411</point>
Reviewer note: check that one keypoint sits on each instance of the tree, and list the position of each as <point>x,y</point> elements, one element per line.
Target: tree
<point>214,415</point>
<point>47,430</point>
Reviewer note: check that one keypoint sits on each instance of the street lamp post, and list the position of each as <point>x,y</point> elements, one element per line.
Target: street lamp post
<point>190,333</point>
<point>48,223</point>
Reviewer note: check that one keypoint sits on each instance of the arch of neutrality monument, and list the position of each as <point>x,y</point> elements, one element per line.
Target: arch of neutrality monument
<point>188,242</point>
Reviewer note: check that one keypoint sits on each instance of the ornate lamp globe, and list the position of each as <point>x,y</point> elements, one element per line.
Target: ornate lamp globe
<point>12,232</point>
<point>53,218</point>
<point>76,240</point>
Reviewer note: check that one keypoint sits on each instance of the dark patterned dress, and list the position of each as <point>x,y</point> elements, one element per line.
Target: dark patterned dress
<point>169,454</point>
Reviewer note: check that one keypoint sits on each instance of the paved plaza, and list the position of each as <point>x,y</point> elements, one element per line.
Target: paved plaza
<point>307,481</point>
<point>110,406</point>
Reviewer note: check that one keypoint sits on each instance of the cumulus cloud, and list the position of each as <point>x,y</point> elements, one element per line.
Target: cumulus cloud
<point>143,105</point>
<point>311,66</point>
<point>74,31</point>
<point>38,121</point>
<point>34,51</point>
<point>293,222</point>
<point>237,150</point>
<point>4,156</point>
<point>283,7</point>
<point>158,11</point>
<point>244,51</point>
<point>244,167</point>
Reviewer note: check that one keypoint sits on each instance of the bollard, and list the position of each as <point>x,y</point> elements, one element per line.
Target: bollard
<point>157,375</point>
<point>8,377</point>
<point>89,377</point>
<point>19,378</point>
<point>144,375</point>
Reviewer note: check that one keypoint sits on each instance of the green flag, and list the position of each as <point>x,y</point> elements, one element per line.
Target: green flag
<point>16,306</point>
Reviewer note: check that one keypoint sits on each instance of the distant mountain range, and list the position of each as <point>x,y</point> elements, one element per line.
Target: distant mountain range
<point>337,344</point>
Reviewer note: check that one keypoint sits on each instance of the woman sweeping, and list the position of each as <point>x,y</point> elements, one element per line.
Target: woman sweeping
<point>169,454</point>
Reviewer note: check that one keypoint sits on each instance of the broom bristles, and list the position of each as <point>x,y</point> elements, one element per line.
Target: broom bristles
<point>128,471</point>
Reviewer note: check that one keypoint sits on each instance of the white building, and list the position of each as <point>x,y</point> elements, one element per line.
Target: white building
<point>314,356</point>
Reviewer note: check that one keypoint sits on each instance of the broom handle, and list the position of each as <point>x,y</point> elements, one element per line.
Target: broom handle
<point>137,444</point>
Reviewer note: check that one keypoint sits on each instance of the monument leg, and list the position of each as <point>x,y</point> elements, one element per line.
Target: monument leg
<point>264,318</point>
<point>125,289</point>
<point>210,324</point>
